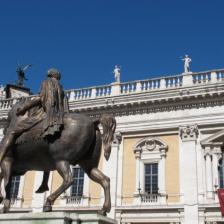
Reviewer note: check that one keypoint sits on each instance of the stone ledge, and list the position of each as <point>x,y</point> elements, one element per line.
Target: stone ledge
<point>55,218</point>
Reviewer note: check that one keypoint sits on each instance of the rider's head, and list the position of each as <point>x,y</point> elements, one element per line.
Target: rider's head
<point>54,73</point>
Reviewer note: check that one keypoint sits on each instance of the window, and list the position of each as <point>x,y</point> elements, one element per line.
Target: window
<point>221,172</point>
<point>151,178</point>
<point>14,190</point>
<point>77,186</point>
<point>150,154</point>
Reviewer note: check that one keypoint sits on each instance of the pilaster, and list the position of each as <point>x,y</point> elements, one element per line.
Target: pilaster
<point>208,169</point>
<point>162,186</point>
<point>110,169</point>
<point>188,173</point>
<point>38,199</point>
<point>217,155</point>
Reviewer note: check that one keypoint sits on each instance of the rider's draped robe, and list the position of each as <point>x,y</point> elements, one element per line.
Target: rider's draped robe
<point>52,103</point>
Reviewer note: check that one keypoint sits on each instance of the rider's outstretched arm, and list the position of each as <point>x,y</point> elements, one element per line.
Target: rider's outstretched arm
<point>28,105</point>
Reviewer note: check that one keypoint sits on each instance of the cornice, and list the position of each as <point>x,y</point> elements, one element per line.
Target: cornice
<point>154,106</point>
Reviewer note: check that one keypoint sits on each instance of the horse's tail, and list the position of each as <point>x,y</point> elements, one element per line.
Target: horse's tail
<point>109,125</point>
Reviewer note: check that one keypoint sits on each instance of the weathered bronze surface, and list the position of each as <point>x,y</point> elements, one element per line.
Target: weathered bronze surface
<point>49,138</point>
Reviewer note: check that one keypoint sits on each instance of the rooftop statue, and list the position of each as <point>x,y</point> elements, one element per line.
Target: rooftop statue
<point>117,73</point>
<point>187,61</point>
<point>21,74</point>
<point>2,92</point>
<point>42,135</point>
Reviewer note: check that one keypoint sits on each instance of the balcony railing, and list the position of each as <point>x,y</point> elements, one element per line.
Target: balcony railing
<point>149,198</point>
<point>141,86</point>
<point>74,200</point>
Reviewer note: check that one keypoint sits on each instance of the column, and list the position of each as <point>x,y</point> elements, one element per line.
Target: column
<point>162,187</point>
<point>217,154</point>
<point>188,173</point>
<point>120,174</point>
<point>201,173</point>
<point>208,170</point>
<point>110,169</point>
<point>138,171</point>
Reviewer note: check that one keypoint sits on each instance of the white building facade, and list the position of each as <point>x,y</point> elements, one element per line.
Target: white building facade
<point>167,157</point>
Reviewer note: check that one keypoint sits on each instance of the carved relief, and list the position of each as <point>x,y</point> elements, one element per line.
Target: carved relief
<point>189,132</point>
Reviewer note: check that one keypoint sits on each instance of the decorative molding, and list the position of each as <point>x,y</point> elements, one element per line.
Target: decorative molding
<point>188,132</point>
<point>150,144</point>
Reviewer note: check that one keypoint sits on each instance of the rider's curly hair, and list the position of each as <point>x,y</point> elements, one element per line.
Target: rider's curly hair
<point>53,72</point>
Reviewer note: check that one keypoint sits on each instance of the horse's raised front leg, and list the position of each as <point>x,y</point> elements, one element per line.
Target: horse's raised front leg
<point>96,175</point>
<point>63,168</point>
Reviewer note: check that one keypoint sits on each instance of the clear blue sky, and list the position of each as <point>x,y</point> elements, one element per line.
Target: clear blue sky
<point>85,39</point>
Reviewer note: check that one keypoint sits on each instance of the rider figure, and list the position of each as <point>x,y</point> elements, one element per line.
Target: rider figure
<point>52,104</point>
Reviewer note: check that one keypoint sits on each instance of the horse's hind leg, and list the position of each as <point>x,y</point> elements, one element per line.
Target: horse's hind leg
<point>96,175</point>
<point>7,170</point>
<point>64,170</point>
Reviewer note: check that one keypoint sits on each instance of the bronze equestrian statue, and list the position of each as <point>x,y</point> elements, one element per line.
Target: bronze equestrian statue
<point>49,138</point>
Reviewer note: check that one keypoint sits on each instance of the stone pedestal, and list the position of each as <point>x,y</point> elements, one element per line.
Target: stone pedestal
<point>55,218</point>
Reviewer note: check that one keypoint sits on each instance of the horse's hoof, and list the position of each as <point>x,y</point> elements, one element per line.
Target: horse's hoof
<point>102,212</point>
<point>47,208</point>
<point>42,189</point>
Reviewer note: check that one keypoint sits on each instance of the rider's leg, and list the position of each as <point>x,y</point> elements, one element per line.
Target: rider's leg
<point>44,185</point>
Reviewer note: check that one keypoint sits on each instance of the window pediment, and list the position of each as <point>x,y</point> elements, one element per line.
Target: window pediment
<point>215,139</point>
<point>150,145</point>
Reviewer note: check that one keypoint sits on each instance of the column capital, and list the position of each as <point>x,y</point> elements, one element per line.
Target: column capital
<point>208,151</point>
<point>217,150</point>
<point>117,138</point>
<point>188,132</point>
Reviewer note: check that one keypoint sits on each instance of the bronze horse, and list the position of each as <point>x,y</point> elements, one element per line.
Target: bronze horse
<point>80,142</point>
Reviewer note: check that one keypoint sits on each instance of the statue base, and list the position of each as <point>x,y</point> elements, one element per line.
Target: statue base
<point>55,218</point>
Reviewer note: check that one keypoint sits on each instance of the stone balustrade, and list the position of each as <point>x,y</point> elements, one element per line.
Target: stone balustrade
<point>162,83</point>
<point>149,198</point>
<point>140,86</point>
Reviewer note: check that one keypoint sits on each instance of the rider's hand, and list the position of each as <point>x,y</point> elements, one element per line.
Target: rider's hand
<point>20,112</point>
